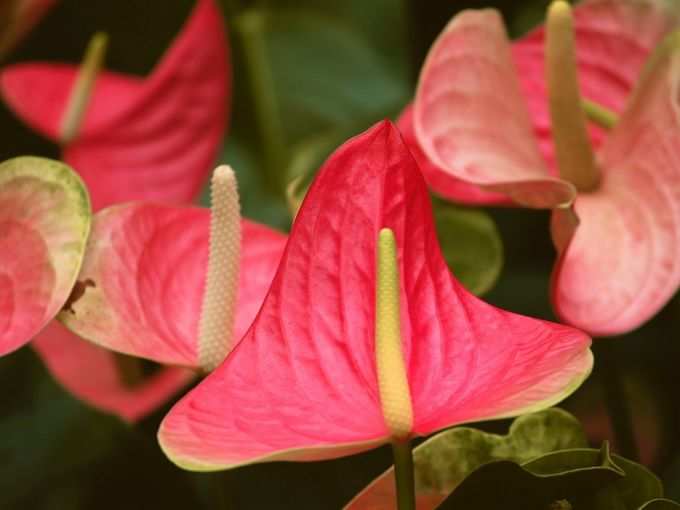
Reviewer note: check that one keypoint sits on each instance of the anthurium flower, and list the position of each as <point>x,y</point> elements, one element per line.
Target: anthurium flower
<point>613,40</point>
<point>169,284</point>
<point>365,336</point>
<point>152,138</point>
<point>17,17</point>
<point>44,223</point>
<point>511,139</point>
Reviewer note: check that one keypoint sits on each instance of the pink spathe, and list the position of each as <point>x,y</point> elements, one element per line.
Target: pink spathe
<point>148,264</point>
<point>302,383</point>
<point>71,361</point>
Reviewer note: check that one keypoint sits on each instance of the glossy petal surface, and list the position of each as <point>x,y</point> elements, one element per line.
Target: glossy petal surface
<point>302,383</point>
<point>635,214</point>
<point>93,375</point>
<point>471,120</point>
<point>44,223</point>
<point>146,268</point>
<point>613,40</point>
<point>141,139</point>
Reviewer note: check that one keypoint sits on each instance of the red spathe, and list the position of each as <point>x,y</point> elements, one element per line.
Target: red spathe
<point>302,384</point>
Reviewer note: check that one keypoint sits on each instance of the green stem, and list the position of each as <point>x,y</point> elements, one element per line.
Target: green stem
<point>600,115</point>
<point>250,26</point>
<point>403,475</point>
<point>220,481</point>
<point>616,399</point>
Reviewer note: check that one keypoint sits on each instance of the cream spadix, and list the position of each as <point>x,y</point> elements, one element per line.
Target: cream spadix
<point>395,395</point>
<point>216,327</point>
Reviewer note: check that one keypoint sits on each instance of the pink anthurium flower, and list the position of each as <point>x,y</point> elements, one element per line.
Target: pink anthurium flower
<point>152,138</point>
<point>140,292</point>
<point>44,223</point>
<point>172,285</point>
<point>365,336</point>
<point>489,129</point>
<point>17,17</point>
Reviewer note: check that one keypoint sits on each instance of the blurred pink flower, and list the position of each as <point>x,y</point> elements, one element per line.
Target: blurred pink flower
<point>480,126</point>
<point>44,222</point>
<point>153,138</point>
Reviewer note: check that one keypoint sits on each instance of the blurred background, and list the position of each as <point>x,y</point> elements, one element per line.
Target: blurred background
<point>332,68</point>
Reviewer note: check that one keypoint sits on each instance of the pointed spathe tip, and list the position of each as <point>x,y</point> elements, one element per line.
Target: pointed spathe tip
<point>385,127</point>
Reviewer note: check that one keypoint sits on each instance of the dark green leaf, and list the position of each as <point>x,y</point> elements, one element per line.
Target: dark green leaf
<point>445,459</point>
<point>49,437</point>
<point>328,75</point>
<point>583,479</point>
<point>471,245</point>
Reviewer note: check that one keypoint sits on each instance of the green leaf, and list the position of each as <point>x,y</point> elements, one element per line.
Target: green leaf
<point>312,74</point>
<point>584,479</point>
<point>327,74</point>
<point>444,460</point>
<point>568,476</point>
<point>384,25</point>
<point>471,246</point>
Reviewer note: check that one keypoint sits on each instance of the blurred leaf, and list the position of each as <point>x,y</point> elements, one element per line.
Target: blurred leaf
<point>383,25</point>
<point>46,439</point>
<point>583,479</point>
<point>326,78</point>
<point>328,75</point>
<point>471,246</point>
<point>444,460</point>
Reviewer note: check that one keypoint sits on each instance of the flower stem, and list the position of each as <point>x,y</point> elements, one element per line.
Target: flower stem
<point>616,399</point>
<point>250,27</point>
<point>403,475</point>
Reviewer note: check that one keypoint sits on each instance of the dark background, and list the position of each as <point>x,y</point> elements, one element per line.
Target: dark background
<point>337,67</point>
